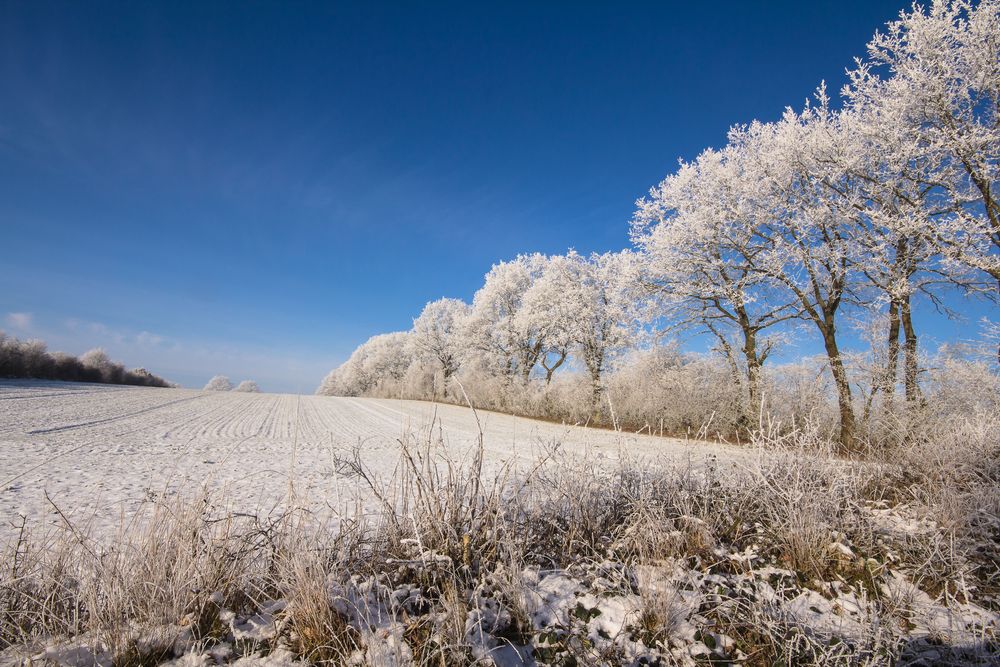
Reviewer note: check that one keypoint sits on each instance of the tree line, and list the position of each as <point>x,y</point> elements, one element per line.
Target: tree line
<point>31,359</point>
<point>841,213</point>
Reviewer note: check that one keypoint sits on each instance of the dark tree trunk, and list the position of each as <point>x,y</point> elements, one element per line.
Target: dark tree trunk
<point>750,412</point>
<point>529,357</point>
<point>595,383</point>
<point>910,363</point>
<point>730,354</point>
<point>595,364</point>
<point>549,370</point>
<point>754,364</point>
<point>888,383</point>
<point>844,398</point>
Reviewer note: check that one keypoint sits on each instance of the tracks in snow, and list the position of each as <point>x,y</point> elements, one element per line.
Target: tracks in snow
<point>127,415</point>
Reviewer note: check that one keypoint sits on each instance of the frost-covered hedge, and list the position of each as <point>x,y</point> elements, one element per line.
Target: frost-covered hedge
<point>31,359</point>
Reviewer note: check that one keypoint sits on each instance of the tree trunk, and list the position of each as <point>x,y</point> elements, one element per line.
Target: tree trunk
<point>595,362</point>
<point>753,371</point>
<point>529,357</point>
<point>550,370</point>
<point>595,380</point>
<point>730,354</point>
<point>910,364</point>
<point>844,400</point>
<point>888,383</point>
<point>749,412</point>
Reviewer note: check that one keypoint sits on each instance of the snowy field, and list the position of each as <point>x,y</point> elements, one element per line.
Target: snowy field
<point>98,452</point>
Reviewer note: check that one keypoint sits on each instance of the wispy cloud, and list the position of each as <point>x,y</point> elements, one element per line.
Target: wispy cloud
<point>143,339</point>
<point>19,321</point>
<point>149,339</point>
<point>108,334</point>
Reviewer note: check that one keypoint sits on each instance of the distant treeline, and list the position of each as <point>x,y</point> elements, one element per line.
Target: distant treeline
<point>31,359</point>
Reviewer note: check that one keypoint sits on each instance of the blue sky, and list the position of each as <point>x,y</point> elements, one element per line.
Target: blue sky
<point>255,188</point>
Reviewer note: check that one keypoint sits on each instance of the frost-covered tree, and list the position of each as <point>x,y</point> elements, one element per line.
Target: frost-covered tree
<point>698,240</point>
<point>750,236</point>
<point>806,249</point>
<point>35,357</point>
<point>248,386</point>
<point>219,383</point>
<point>545,310</point>
<point>381,359</point>
<point>890,253</point>
<point>98,361</point>
<point>888,209</point>
<point>436,333</point>
<point>924,112</point>
<point>929,93</point>
<point>602,302</point>
<point>507,345</point>
<point>25,358</point>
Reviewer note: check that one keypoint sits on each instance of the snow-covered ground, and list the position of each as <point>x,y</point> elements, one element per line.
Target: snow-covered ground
<point>97,452</point>
<point>842,576</point>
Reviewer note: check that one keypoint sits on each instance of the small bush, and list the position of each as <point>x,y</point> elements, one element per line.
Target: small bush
<point>219,383</point>
<point>248,386</point>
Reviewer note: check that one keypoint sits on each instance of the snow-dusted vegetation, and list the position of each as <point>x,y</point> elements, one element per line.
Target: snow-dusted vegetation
<point>218,383</point>
<point>31,359</point>
<point>247,386</point>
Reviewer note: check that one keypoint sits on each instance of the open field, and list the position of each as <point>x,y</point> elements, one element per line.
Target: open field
<point>99,451</point>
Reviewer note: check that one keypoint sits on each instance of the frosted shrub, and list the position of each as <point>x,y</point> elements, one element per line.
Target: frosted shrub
<point>31,359</point>
<point>248,386</point>
<point>219,383</point>
<point>662,388</point>
<point>957,387</point>
<point>796,392</point>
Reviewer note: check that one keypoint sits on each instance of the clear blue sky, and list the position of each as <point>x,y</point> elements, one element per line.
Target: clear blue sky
<point>255,188</point>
